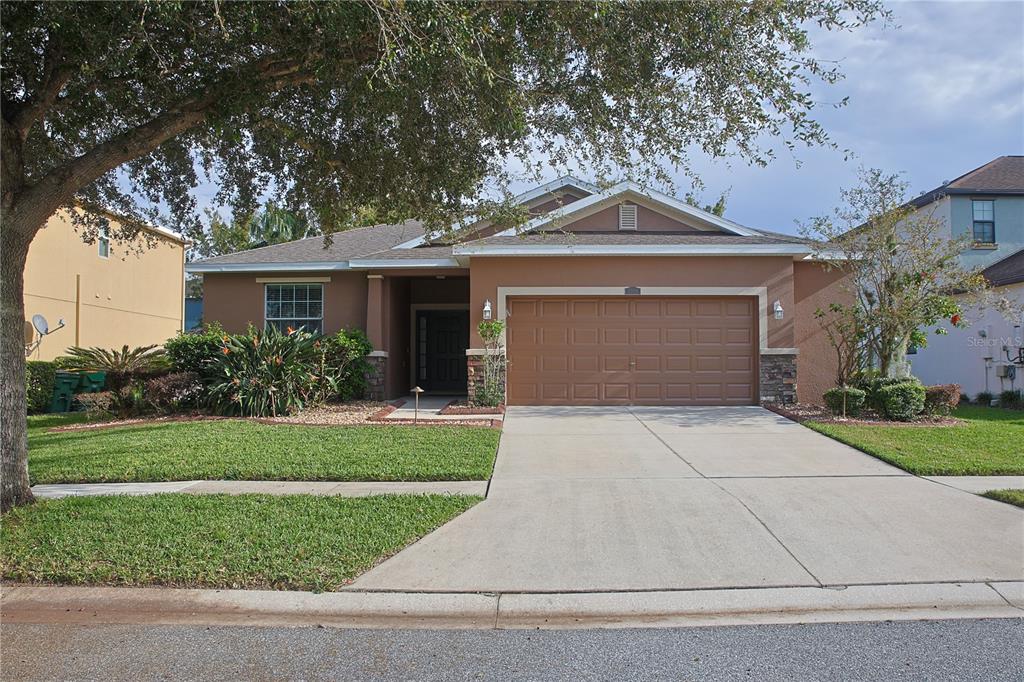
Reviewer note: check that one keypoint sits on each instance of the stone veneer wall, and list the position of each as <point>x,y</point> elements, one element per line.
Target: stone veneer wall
<point>375,377</point>
<point>778,379</point>
<point>475,375</point>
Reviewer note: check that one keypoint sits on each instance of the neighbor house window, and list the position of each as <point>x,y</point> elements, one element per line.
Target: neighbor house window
<point>984,221</point>
<point>104,242</point>
<point>295,306</point>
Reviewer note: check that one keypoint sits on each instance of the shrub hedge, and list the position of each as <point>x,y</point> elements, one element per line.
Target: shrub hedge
<point>901,401</point>
<point>941,399</point>
<point>854,400</point>
<point>40,377</point>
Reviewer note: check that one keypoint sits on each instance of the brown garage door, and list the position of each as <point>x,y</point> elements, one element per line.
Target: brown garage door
<point>632,351</point>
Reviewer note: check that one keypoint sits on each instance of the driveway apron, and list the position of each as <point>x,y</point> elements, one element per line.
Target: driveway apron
<point>646,498</point>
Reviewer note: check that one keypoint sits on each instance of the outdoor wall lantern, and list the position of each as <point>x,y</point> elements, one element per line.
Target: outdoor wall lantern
<point>487,310</point>
<point>779,312</point>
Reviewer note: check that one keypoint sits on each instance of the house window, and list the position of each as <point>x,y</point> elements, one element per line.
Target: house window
<point>295,306</point>
<point>103,242</point>
<point>984,221</point>
<point>627,216</point>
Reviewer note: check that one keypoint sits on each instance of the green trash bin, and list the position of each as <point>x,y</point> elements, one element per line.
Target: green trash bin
<point>91,382</point>
<point>64,387</point>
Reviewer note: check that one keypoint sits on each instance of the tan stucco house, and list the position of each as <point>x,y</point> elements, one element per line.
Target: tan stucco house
<point>108,293</point>
<point>611,296</point>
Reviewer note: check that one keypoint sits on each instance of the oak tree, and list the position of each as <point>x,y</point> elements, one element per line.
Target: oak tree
<point>333,107</point>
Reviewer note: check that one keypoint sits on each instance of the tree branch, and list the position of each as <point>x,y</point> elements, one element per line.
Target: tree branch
<point>56,74</point>
<point>38,201</point>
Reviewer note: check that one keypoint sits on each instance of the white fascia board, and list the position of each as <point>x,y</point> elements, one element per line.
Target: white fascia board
<point>559,183</point>
<point>403,263</point>
<point>200,267</point>
<point>621,190</point>
<point>630,250</point>
<point>413,243</point>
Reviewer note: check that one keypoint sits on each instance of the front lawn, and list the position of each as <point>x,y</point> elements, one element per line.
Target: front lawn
<point>299,542</point>
<point>243,450</point>
<point>1008,496</point>
<point>989,443</point>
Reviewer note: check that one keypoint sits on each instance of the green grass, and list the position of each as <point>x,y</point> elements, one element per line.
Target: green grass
<point>300,542</point>
<point>241,450</point>
<point>989,443</point>
<point>1015,497</point>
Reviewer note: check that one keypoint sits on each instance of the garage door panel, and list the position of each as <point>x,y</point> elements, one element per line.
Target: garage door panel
<point>616,391</point>
<point>647,336</point>
<point>639,350</point>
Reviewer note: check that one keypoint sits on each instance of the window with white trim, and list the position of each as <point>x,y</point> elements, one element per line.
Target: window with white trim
<point>627,216</point>
<point>984,213</point>
<point>103,242</point>
<point>296,306</point>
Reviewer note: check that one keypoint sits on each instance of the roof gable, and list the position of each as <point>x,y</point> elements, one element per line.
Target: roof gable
<point>659,202</point>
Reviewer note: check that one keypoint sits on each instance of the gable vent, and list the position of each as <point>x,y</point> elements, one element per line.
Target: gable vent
<point>627,216</point>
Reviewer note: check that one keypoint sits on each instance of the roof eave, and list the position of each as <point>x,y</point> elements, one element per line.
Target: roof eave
<point>201,267</point>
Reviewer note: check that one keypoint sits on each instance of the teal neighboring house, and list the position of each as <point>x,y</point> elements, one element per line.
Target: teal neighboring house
<point>986,206</point>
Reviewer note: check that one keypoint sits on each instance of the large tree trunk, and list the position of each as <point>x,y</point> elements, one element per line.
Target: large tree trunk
<point>14,485</point>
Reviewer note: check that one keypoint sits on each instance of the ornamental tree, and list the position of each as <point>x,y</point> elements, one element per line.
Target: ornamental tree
<point>905,274</point>
<point>335,108</point>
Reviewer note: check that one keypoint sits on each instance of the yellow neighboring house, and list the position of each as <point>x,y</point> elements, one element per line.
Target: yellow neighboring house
<point>108,293</point>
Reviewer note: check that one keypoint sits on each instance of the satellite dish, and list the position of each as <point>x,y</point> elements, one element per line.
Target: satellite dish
<point>30,333</point>
<point>41,325</point>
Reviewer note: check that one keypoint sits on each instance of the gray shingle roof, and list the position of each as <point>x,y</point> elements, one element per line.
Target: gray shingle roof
<point>346,245</point>
<point>1009,270</point>
<point>633,238</point>
<point>410,254</point>
<point>1004,175</point>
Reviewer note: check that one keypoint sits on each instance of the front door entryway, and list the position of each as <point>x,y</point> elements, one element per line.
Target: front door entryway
<point>442,337</point>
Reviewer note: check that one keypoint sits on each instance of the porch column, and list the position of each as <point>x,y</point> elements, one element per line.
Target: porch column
<point>375,310</point>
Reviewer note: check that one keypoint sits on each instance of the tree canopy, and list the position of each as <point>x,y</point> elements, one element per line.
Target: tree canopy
<point>400,109</point>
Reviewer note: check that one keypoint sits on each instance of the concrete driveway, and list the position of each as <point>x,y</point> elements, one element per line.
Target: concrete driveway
<point>642,498</point>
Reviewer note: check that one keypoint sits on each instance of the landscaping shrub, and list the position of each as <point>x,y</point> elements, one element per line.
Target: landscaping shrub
<point>96,404</point>
<point>1013,400</point>
<point>126,370</point>
<point>491,391</point>
<point>984,398</point>
<point>872,382</point>
<point>965,399</point>
<point>195,351</point>
<point>902,401</point>
<point>173,391</point>
<point>941,399</point>
<point>345,354</point>
<point>39,382</point>
<point>854,400</point>
<point>270,373</point>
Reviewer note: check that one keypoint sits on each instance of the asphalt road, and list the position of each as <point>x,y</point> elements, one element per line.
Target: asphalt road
<point>941,650</point>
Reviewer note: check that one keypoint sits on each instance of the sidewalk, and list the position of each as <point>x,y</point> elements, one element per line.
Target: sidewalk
<point>980,484</point>
<point>341,489</point>
<point>351,609</point>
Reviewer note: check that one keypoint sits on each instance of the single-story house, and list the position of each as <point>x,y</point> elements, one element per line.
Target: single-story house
<point>611,296</point>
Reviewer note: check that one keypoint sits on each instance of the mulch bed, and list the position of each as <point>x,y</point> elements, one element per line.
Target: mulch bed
<point>362,413</point>
<point>802,412</point>
<point>461,407</point>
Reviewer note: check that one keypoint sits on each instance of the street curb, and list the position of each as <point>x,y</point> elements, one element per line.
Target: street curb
<point>683,608</point>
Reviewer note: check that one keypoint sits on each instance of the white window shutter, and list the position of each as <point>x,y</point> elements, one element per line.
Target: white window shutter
<point>627,216</point>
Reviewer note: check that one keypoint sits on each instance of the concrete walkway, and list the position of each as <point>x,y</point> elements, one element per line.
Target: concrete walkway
<point>628,499</point>
<point>346,489</point>
<point>430,411</point>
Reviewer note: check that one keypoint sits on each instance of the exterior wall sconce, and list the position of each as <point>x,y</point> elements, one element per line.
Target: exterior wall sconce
<point>487,310</point>
<point>777,309</point>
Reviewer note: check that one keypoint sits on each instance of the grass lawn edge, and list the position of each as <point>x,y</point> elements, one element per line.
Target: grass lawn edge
<point>251,541</point>
<point>1011,496</point>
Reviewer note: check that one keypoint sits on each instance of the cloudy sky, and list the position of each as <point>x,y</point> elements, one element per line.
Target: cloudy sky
<point>936,96</point>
